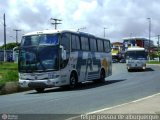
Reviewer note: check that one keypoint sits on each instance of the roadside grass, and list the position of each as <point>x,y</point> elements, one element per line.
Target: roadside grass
<point>8,72</point>
<point>153,62</point>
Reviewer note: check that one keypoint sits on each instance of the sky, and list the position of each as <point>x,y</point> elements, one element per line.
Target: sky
<point>121,18</point>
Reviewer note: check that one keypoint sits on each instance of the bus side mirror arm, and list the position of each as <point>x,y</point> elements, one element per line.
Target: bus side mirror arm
<point>63,53</point>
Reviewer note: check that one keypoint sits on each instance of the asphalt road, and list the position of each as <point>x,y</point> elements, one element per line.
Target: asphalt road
<point>119,88</point>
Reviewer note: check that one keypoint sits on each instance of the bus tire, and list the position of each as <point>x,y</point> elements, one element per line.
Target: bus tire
<point>102,76</point>
<point>39,90</point>
<point>73,81</point>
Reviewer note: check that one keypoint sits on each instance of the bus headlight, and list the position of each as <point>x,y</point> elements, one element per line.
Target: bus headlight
<point>52,76</point>
<point>21,76</point>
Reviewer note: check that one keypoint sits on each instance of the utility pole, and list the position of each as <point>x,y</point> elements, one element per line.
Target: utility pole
<point>149,35</point>
<point>56,22</point>
<point>4,18</point>
<point>158,48</point>
<point>105,32</point>
<point>16,35</point>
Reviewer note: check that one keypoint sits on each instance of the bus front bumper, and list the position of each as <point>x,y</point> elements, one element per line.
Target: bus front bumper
<point>136,66</point>
<point>39,83</point>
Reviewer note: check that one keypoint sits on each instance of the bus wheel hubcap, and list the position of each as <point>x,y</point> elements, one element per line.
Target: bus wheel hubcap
<point>73,81</point>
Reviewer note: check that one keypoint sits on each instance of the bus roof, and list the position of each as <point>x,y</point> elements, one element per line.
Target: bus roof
<point>134,38</point>
<point>56,31</point>
<point>45,32</point>
<point>135,49</point>
<point>61,31</point>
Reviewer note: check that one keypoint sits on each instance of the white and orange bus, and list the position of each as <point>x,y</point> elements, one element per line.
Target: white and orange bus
<point>62,57</point>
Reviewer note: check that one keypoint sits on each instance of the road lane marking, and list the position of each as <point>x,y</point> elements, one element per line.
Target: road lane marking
<point>73,118</point>
<point>138,100</point>
<point>94,112</point>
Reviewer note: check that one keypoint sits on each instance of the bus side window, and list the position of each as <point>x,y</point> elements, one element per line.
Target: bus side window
<point>107,46</point>
<point>65,41</point>
<point>75,42</point>
<point>84,43</point>
<point>100,45</point>
<point>93,44</point>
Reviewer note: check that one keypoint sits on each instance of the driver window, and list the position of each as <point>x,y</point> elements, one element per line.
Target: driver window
<point>65,42</point>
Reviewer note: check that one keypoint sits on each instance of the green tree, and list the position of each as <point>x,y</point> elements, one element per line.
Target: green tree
<point>9,46</point>
<point>158,55</point>
<point>153,55</point>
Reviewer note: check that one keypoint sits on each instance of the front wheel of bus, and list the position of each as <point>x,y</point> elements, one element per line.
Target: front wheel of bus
<point>102,76</point>
<point>129,70</point>
<point>39,90</point>
<point>73,81</point>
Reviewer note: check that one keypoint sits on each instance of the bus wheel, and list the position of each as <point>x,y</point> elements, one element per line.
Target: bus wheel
<point>73,81</point>
<point>102,76</point>
<point>39,90</point>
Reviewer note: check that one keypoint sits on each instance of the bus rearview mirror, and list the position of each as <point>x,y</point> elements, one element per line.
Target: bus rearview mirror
<point>63,53</point>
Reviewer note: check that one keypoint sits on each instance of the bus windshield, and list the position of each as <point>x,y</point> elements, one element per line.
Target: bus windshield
<point>43,39</point>
<point>141,55</point>
<point>42,58</point>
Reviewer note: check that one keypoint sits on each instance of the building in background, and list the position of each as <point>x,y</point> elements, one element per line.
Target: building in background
<point>9,55</point>
<point>137,42</point>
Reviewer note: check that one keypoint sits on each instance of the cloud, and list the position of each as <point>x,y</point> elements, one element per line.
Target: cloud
<point>121,17</point>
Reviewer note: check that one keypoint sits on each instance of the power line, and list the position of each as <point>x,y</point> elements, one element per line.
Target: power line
<point>56,22</point>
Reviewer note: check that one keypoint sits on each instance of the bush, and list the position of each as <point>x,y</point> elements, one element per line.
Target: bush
<point>8,73</point>
<point>9,77</point>
<point>153,62</point>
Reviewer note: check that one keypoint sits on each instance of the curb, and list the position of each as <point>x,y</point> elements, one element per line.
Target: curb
<point>11,87</point>
<point>154,64</point>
